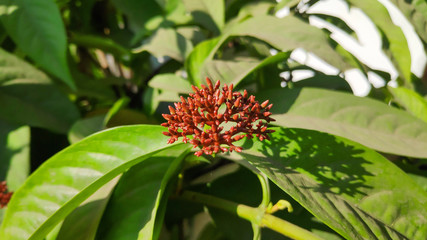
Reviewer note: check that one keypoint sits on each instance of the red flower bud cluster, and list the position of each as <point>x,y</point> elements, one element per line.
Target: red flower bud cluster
<point>204,107</point>
<point>4,195</point>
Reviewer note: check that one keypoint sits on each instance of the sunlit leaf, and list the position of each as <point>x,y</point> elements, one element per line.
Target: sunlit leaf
<point>351,188</point>
<point>367,121</point>
<point>411,101</point>
<point>64,181</point>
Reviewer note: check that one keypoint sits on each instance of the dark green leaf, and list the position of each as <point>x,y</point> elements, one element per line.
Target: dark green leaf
<point>131,211</point>
<point>351,188</point>
<point>207,13</point>
<point>37,28</point>
<point>14,154</point>
<point>73,175</point>
<point>367,121</point>
<point>138,12</point>
<point>29,97</point>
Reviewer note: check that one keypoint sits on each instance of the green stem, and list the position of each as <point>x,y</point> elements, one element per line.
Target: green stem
<point>254,215</point>
<point>104,44</point>
<point>265,190</point>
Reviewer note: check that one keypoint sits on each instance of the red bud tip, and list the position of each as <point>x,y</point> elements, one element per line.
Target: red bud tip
<point>171,110</point>
<point>209,82</point>
<point>264,104</point>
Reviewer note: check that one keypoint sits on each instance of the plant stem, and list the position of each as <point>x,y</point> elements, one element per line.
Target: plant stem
<point>104,44</point>
<point>254,215</point>
<point>265,186</point>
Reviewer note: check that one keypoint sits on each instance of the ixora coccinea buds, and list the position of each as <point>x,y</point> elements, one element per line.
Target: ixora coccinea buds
<point>4,194</point>
<point>201,116</point>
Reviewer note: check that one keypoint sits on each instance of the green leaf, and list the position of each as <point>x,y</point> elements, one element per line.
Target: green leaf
<point>170,82</point>
<point>411,101</point>
<point>138,12</point>
<point>167,42</point>
<point>36,27</point>
<point>287,34</point>
<point>132,209</point>
<point>208,13</point>
<point>367,121</point>
<point>14,154</point>
<point>351,188</point>
<point>196,59</point>
<point>64,181</point>
<point>321,80</point>
<point>397,40</point>
<point>85,127</point>
<point>84,221</point>
<point>28,97</point>
<point>416,12</point>
<point>114,110</point>
<point>234,71</point>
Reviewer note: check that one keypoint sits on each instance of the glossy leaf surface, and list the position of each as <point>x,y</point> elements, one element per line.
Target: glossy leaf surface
<point>73,175</point>
<point>132,210</point>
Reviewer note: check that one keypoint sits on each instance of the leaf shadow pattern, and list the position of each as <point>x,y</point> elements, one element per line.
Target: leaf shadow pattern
<point>335,165</point>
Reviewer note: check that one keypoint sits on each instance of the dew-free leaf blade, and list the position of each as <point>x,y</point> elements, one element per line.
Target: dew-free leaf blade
<point>29,97</point>
<point>363,120</point>
<point>288,34</point>
<point>411,101</point>
<point>36,27</point>
<point>69,177</point>
<point>167,42</point>
<point>351,188</point>
<point>131,211</point>
<point>234,71</point>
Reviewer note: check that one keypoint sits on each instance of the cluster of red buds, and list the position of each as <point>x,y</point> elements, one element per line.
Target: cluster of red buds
<point>4,195</point>
<point>204,107</point>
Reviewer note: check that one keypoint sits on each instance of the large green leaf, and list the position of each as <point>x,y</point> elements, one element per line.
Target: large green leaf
<point>397,41</point>
<point>287,34</point>
<point>131,212</point>
<point>234,71</point>
<point>411,101</point>
<point>351,188</point>
<point>416,12</point>
<point>36,27</point>
<point>84,221</point>
<point>367,121</point>
<point>167,42</point>
<point>208,13</point>
<point>64,181</point>
<point>29,97</point>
